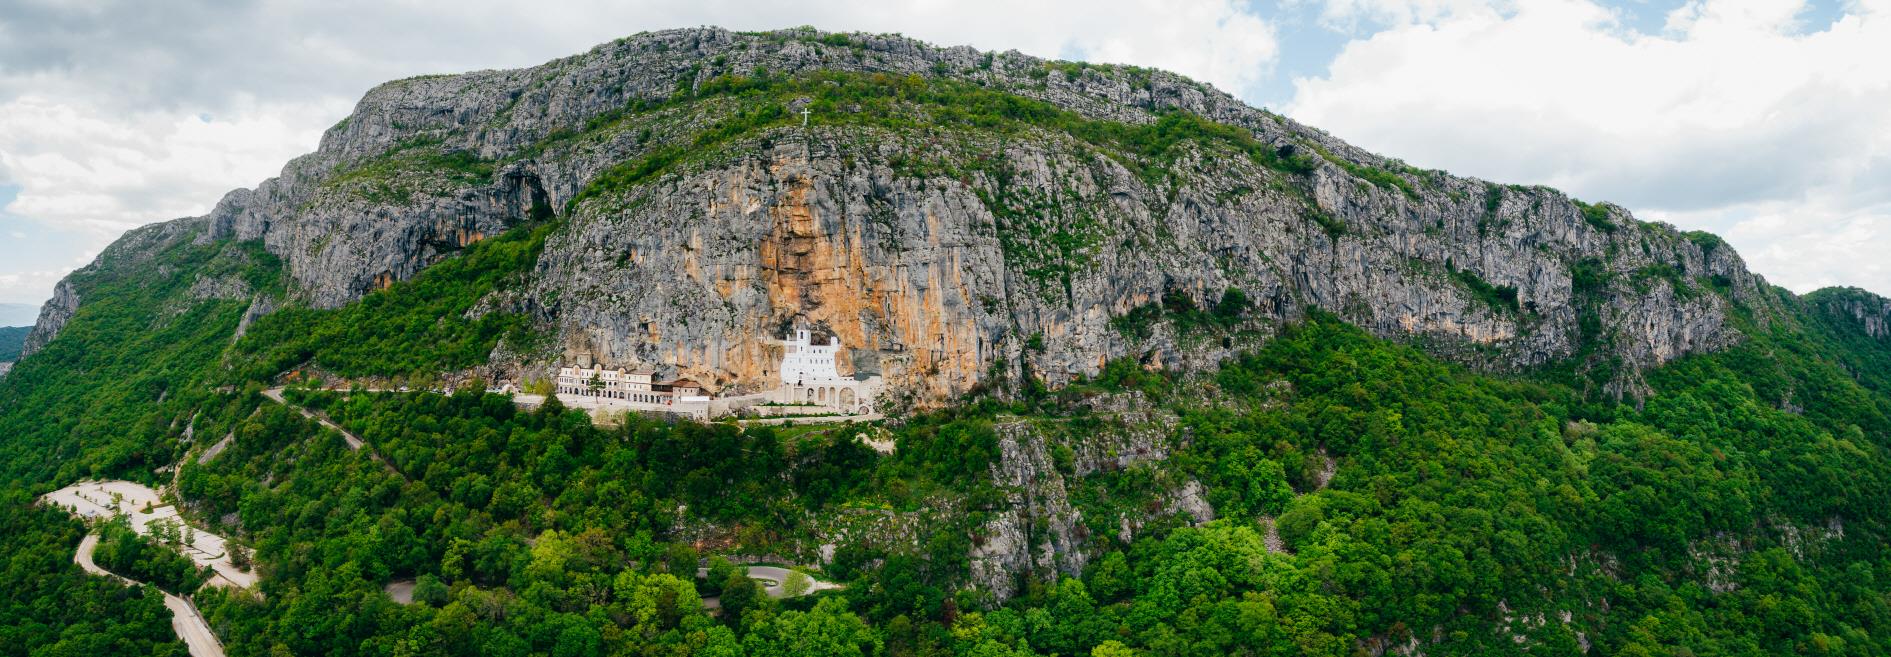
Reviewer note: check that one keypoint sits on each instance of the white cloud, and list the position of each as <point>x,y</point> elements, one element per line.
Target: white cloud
<point>24,286</point>
<point>78,166</point>
<point>1737,117</point>
<point>101,103</point>
<point>1354,13</point>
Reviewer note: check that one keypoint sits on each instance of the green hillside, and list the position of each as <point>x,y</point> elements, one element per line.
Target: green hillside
<point>11,339</point>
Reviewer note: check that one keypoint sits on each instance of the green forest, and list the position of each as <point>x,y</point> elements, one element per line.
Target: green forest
<point>12,339</point>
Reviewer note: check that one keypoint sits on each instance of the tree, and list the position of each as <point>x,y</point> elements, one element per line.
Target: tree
<point>796,584</point>
<point>720,570</point>
<point>657,603</point>
<point>239,555</point>
<point>1111,578</point>
<point>828,630</point>
<point>430,591</point>
<point>680,560</point>
<point>740,596</point>
<point>453,564</point>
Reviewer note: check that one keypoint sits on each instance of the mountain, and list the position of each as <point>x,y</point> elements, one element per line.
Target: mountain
<point>1168,374</point>
<point>943,208</point>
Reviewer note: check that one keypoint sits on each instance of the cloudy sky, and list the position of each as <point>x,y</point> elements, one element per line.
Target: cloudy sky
<point>1767,121</point>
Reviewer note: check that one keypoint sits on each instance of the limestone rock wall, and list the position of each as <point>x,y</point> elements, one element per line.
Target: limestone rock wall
<point>52,317</point>
<point>1037,532</point>
<point>931,286</point>
<point>1020,264</point>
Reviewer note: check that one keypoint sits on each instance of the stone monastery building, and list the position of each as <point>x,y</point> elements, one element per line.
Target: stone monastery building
<point>809,378</point>
<point>630,386</point>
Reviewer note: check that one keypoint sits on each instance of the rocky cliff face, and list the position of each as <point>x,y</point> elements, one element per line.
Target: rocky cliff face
<point>1043,466</point>
<point>1870,313</point>
<point>1037,531</point>
<point>943,250</point>
<point>52,317</point>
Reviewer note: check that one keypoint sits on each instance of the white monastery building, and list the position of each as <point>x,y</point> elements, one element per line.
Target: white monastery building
<point>630,386</point>
<point>809,378</point>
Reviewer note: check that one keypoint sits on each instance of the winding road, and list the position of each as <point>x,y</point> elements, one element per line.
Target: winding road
<point>145,511</point>
<point>771,578</point>
<point>189,625</point>
<point>354,442</point>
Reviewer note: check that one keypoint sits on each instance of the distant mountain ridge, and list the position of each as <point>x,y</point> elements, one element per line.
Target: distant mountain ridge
<point>12,338</point>
<point>18,314</point>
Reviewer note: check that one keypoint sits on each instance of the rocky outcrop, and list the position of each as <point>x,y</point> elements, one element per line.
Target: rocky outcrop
<point>260,305</point>
<point>340,240</point>
<point>944,255</point>
<point>1037,532</point>
<point>228,288</point>
<point>1867,312</point>
<point>52,318</point>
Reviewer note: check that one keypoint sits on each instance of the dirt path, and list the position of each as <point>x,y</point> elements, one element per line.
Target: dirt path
<point>189,625</point>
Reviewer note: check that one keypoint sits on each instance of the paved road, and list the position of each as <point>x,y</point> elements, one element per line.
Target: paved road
<point>354,441</point>
<point>104,499</point>
<point>771,578</point>
<point>84,558</point>
<point>189,625</point>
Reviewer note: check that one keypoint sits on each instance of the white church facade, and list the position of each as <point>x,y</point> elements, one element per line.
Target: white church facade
<point>809,376</point>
